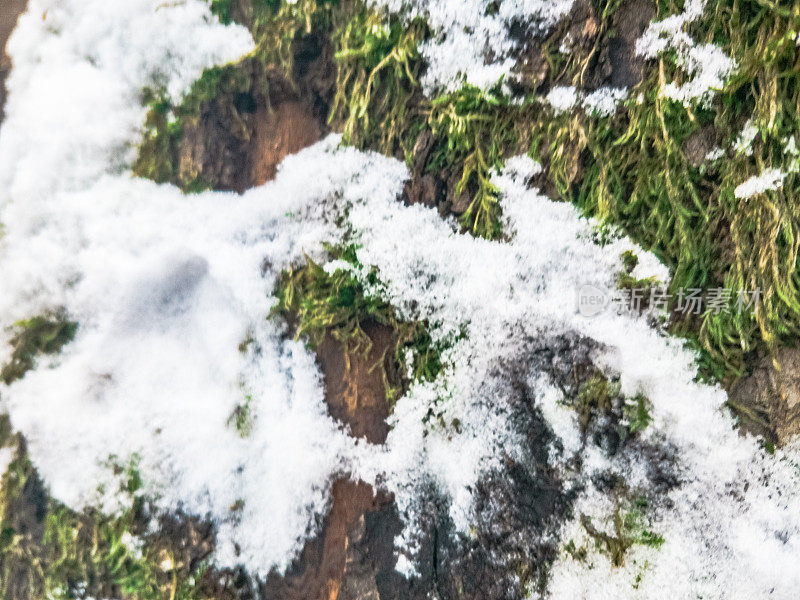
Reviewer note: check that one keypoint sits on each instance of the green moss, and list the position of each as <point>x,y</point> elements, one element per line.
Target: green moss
<point>599,396</point>
<point>50,551</point>
<point>242,417</point>
<point>630,527</point>
<point>339,303</point>
<point>223,9</point>
<point>39,335</point>
<point>636,171</point>
<point>379,105</point>
<point>636,412</point>
<point>275,27</point>
<point>477,131</point>
<point>377,101</point>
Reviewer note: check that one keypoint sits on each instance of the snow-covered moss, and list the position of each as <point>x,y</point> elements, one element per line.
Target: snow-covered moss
<point>472,42</point>
<point>167,289</point>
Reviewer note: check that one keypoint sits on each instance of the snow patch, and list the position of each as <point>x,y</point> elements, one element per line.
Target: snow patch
<point>472,42</point>
<point>744,142</point>
<point>6,456</point>
<point>706,65</point>
<point>562,98</point>
<point>602,102</point>
<point>770,179</point>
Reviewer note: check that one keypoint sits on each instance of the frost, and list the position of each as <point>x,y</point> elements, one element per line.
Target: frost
<point>134,544</point>
<point>770,179</point>
<point>791,147</point>
<point>715,154</point>
<point>337,265</point>
<point>471,42</point>
<point>794,155</point>
<point>522,167</point>
<point>707,65</point>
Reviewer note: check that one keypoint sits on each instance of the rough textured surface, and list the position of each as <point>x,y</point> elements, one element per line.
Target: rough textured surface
<point>322,570</point>
<point>9,12</point>
<point>511,542</point>
<point>629,23</point>
<point>239,139</point>
<point>354,383</point>
<point>355,544</point>
<point>287,129</point>
<point>770,397</point>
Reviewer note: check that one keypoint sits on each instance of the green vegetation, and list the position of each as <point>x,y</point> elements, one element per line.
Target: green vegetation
<point>643,174</point>
<point>318,302</point>
<point>50,551</point>
<point>39,335</point>
<point>477,131</point>
<point>630,527</point>
<point>275,27</point>
<point>643,170</point>
<point>242,417</point>
<point>379,105</point>
<point>377,101</point>
<point>599,396</point>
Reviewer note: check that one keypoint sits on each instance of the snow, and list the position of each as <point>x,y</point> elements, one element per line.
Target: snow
<point>166,287</point>
<point>471,43</point>
<point>744,142</point>
<point>562,98</point>
<point>706,65</point>
<point>715,154</point>
<point>456,284</point>
<point>768,180</point>
<point>602,102</point>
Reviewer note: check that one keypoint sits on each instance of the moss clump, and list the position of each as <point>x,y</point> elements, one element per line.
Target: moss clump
<point>341,301</point>
<point>642,172</point>
<point>39,335</point>
<point>378,101</point>
<point>276,28</point>
<point>242,417</point>
<point>379,105</point>
<point>50,551</point>
<point>630,527</point>
<point>627,281</point>
<point>165,125</point>
<point>599,397</point>
<point>477,131</point>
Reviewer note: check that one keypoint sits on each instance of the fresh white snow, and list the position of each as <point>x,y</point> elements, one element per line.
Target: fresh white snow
<point>471,42</point>
<point>706,65</point>
<point>602,102</point>
<point>166,287</point>
<point>770,179</point>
